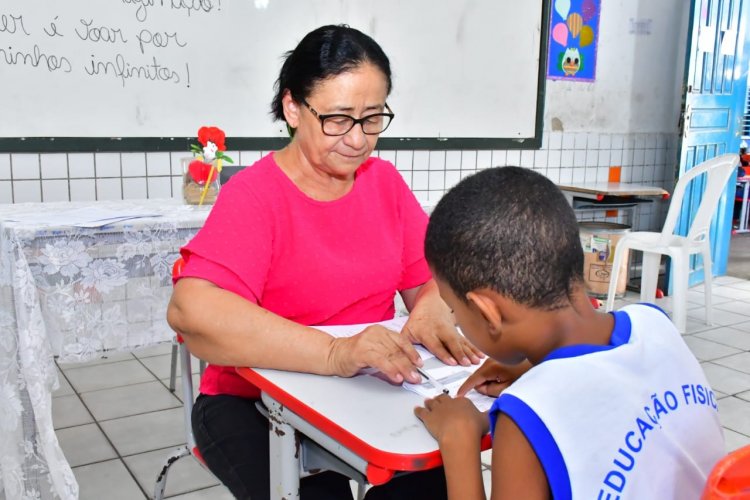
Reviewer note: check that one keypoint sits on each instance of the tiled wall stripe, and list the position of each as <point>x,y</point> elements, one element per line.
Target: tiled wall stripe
<point>563,157</point>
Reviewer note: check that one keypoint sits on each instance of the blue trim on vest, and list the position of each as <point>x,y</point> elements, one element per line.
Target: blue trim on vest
<point>540,439</point>
<point>620,336</point>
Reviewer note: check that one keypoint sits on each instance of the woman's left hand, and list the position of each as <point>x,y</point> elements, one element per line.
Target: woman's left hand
<point>431,324</point>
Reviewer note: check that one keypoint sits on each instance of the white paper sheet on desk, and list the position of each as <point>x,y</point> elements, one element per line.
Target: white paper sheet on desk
<point>82,217</point>
<point>450,376</point>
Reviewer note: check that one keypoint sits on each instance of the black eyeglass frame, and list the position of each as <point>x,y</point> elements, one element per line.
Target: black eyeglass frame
<point>355,121</point>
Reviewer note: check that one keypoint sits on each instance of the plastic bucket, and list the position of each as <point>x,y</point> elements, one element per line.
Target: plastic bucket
<point>599,240</point>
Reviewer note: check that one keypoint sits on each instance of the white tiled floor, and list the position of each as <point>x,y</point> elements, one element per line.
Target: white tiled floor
<point>117,421</point>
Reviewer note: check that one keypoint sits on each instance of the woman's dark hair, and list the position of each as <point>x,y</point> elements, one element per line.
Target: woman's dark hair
<point>325,52</point>
<point>511,230</point>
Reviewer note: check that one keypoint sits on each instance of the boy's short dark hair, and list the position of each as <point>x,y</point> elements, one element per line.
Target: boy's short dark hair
<point>509,229</point>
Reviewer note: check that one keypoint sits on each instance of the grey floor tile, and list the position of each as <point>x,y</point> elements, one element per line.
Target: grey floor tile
<point>161,365</point>
<point>735,415</point>
<point>740,362</point>
<point>707,350</point>
<point>129,400</point>
<point>215,493</point>
<point>84,444</point>
<point>178,385</point>
<point>185,475</point>
<point>720,318</point>
<point>696,296</point>
<point>64,388</point>
<point>735,440</point>
<point>737,307</point>
<point>727,280</point>
<point>146,432</point>
<point>729,336</point>
<point>155,350</point>
<point>109,375</point>
<point>726,379</point>
<point>112,357</point>
<point>68,411</point>
<point>731,293</point>
<point>742,285</point>
<point>720,394</point>
<point>746,396</point>
<point>108,480</point>
<point>693,325</point>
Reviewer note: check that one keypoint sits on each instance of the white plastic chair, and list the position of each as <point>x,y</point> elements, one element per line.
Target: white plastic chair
<point>679,248</point>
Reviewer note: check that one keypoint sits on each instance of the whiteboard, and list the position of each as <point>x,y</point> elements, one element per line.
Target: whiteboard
<point>163,68</point>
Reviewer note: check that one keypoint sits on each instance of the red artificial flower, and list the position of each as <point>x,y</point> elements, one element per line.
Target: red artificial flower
<point>213,134</point>
<point>199,172</point>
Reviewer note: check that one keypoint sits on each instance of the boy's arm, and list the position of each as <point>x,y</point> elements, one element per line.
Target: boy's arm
<point>516,470</point>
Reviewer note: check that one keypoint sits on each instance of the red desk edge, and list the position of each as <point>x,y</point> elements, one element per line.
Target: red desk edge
<point>384,463</point>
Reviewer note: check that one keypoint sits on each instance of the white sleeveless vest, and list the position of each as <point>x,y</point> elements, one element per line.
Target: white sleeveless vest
<point>635,419</point>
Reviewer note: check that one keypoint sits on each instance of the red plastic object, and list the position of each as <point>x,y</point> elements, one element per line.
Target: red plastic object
<point>595,303</point>
<point>730,477</point>
<point>659,293</point>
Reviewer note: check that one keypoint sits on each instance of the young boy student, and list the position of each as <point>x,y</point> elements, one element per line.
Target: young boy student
<point>605,406</point>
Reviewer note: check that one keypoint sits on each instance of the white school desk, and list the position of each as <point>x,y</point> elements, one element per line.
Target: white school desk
<point>363,421</point>
<point>593,196</point>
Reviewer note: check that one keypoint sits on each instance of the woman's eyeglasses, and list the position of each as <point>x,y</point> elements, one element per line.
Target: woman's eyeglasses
<point>336,124</point>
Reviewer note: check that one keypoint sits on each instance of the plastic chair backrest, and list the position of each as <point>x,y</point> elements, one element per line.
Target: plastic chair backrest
<point>730,477</point>
<point>717,170</point>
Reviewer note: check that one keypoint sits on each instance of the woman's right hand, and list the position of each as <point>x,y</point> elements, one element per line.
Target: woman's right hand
<point>493,377</point>
<point>379,348</point>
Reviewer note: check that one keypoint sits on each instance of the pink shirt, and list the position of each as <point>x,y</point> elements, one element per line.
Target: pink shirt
<point>313,262</point>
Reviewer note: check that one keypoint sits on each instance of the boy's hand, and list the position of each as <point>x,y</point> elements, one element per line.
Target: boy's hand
<point>493,377</point>
<point>448,418</point>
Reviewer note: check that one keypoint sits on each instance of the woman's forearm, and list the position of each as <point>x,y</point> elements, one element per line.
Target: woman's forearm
<point>225,329</point>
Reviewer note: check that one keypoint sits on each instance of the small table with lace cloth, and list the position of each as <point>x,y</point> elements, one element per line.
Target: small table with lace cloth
<point>73,293</point>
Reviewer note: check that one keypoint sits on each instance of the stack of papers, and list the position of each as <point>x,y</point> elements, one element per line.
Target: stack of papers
<point>90,217</point>
<point>451,377</point>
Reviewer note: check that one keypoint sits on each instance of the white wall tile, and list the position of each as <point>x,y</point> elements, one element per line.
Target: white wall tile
<point>568,141</point>
<point>4,166</point>
<point>436,180</point>
<point>615,158</point>
<point>592,140</point>
<point>452,177</point>
<point>540,158</point>
<point>618,141</point>
<point>54,166</point>
<point>389,155</point>
<point>579,157</point>
<point>554,157</point>
<point>437,160</point>
<point>513,158</point>
<point>246,158</point>
<point>24,191</point>
<point>107,164</point>
<point>605,141</point>
<point>639,157</point>
<point>566,158</point>
<point>159,187</point>
<point>55,190</point>
<point>469,159</point>
<point>84,189</point>
<point>134,165</point>
<point>453,160</point>
<point>108,189</point>
<point>592,157</point>
<point>483,159</point>
<point>406,176</point>
<point>421,160</point>
<point>25,166</point>
<point>134,188</point>
<point>176,162</point>
<point>581,139</point>
<point>177,186</point>
<point>404,160</point>
<point>6,192</point>
<point>579,174</point>
<point>555,140</point>
<point>159,163</point>
<point>603,158</point>
<point>527,159</point>
<point>419,180</point>
<point>649,157</point>
<point>499,157</point>
<point>566,175</point>
<point>81,165</point>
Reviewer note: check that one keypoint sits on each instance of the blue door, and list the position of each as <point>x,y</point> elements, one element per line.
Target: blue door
<point>715,85</point>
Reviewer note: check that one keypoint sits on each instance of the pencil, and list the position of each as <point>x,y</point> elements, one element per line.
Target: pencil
<point>437,385</point>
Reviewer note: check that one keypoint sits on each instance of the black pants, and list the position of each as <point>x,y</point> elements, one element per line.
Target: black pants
<point>232,436</point>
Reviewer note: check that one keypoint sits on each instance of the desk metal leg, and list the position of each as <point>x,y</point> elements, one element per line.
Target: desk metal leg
<point>284,456</point>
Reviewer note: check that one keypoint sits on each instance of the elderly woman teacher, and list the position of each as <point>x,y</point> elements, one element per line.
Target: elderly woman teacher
<point>318,233</point>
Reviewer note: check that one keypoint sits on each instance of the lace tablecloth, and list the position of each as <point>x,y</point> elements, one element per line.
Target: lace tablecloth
<point>74,293</point>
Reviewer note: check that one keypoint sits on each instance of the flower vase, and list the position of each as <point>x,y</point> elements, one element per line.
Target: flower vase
<point>200,181</point>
